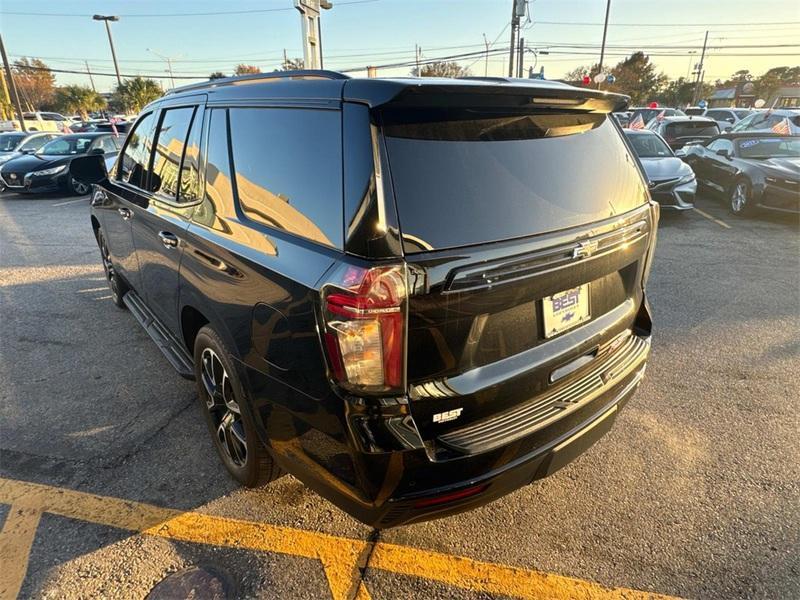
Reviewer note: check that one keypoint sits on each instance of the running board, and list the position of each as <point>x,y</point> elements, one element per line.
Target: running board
<point>173,350</point>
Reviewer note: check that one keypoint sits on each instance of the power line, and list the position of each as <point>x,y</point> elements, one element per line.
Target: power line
<point>593,24</point>
<point>162,15</point>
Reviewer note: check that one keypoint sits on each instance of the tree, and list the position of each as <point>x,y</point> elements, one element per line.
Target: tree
<point>292,64</point>
<point>35,82</point>
<point>637,77</point>
<point>776,77</point>
<point>217,75</point>
<point>78,99</point>
<point>133,94</point>
<point>246,69</point>
<point>441,69</point>
<point>578,73</point>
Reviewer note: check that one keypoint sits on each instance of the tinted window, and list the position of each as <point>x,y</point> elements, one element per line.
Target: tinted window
<point>189,186</point>
<point>66,145</point>
<point>136,154</point>
<point>741,114</point>
<point>9,141</point>
<point>289,171</point>
<point>219,191</point>
<point>689,128</point>
<point>462,179</point>
<point>36,142</point>
<point>721,144</point>
<point>107,144</point>
<point>169,149</point>
<point>769,147</point>
<point>649,146</point>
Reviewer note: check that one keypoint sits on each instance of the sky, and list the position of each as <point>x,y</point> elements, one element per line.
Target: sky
<point>356,33</point>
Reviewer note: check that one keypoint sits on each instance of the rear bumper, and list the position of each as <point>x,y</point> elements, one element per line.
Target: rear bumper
<point>436,479</point>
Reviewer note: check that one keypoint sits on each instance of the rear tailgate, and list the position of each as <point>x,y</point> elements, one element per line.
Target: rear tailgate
<point>499,211</point>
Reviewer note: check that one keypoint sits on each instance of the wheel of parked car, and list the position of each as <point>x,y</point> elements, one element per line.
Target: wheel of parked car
<point>115,284</point>
<point>78,188</point>
<point>221,397</point>
<point>741,198</point>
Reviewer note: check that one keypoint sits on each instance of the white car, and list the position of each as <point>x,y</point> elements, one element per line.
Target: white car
<point>727,117</point>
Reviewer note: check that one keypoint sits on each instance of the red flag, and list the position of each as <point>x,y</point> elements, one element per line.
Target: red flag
<point>637,123</point>
<point>661,116</point>
<point>65,128</point>
<point>783,127</point>
<point>114,126</point>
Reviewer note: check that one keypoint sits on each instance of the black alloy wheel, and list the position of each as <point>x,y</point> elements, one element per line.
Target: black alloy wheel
<point>221,396</point>
<point>78,187</point>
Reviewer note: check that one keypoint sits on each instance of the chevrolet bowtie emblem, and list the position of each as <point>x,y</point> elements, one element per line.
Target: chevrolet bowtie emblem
<point>584,249</point>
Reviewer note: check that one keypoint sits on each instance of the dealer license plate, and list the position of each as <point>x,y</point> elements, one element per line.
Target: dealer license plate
<point>565,310</point>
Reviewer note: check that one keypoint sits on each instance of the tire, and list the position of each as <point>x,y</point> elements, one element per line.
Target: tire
<point>221,397</point>
<point>76,188</point>
<point>740,198</point>
<point>115,283</point>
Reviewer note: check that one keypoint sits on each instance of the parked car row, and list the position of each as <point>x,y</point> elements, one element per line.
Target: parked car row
<point>39,162</point>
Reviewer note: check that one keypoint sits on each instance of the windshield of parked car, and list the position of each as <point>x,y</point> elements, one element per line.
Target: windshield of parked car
<point>465,177</point>
<point>741,114</point>
<point>9,141</point>
<point>690,129</point>
<point>769,147</point>
<point>66,145</point>
<point>648,146</point>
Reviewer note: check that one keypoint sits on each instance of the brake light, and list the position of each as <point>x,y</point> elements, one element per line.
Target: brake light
<point>364,311</point>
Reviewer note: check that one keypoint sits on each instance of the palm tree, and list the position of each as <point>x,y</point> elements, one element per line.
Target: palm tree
<point>133,94</point>
<point>72,99</point>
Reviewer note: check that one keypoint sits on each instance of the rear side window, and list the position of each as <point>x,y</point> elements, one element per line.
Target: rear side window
<point>169,151</point>
<point>288,170</point>
<point>136,153</point>
<point>36,143</point>
<point>107,144</point>
<point>462,177</point>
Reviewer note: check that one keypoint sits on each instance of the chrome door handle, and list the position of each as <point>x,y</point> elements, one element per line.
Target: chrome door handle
<point>169,240</point>
<point>125,213</point>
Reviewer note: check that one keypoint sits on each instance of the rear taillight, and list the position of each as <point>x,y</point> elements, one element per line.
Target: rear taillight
<point>365,315</point>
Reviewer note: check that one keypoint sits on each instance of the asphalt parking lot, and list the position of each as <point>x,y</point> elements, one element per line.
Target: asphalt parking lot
<point>109,482</point>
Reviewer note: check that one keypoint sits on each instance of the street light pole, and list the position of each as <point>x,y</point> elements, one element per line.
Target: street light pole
<point>168,60</point>
<point>106,19</point>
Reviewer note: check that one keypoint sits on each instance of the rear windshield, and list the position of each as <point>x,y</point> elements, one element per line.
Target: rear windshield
<point>463,178</point>
<point>697,128</point>
<point>9,141</point>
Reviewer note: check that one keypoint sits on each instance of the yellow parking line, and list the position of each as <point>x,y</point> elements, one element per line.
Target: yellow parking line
<point>711,218</point>
<point>341,557</point>
<point>16,540</point>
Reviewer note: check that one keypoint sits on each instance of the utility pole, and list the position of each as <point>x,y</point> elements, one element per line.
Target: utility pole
<point>486,62</point>
<point>603,47</point>
<point>518,9</point>
<point>89,73</point>
<point>311,30</point>
<point>700,72</point>
<point>106,19</point>
<point>520,55</point>
<point>417,52</point>
<point>285,60</point>
<point>12,86</point>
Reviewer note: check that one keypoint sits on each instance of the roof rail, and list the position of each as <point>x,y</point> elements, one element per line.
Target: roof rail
<point>298,74</point>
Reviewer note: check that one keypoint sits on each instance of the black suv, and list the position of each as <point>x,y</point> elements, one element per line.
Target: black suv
<point>415,295</point>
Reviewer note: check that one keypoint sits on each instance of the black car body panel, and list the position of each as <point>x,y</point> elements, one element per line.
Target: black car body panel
<point>680,131</point>
<point>239,245</point>
<point>775,182</point>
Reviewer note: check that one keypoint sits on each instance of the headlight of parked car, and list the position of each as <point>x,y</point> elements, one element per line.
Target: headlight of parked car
<point>686,179</point>
<point>50,171</point>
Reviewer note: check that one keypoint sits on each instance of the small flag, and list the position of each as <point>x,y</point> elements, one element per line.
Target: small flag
<point>637,123</point>
<point>661,116</point>
<point>65,128</point>
<point>114,127</point>
<point>783,127</point>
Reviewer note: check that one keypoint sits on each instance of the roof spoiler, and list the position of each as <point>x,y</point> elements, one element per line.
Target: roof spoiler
<point>482,93</point>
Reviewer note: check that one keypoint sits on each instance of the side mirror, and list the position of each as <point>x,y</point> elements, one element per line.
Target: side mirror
<point>680,152</point>
<point>723,152</point>
<point>89,169</point>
